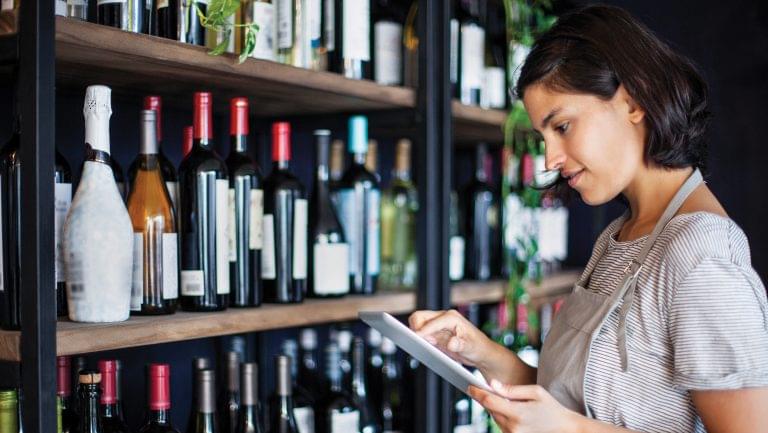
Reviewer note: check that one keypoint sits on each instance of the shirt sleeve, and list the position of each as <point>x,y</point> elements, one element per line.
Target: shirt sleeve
<point>718,327</point>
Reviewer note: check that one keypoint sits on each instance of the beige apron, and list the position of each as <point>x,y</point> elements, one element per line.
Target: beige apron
<point>566,351</point>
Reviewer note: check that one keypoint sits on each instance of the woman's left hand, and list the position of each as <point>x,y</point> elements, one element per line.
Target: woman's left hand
<point>526,409</point>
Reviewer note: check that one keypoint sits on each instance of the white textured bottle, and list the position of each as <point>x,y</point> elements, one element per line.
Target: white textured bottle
<point>98,236</point>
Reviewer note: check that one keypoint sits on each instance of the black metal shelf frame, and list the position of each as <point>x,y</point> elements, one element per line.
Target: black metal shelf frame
<point>33,49</point>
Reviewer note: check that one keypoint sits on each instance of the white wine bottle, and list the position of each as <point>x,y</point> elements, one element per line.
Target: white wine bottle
<point>98,235</point>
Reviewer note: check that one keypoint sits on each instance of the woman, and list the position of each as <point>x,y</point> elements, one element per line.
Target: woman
<point>667,329</point>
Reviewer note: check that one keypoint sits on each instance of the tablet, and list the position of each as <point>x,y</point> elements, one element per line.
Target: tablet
<point>422,350</point>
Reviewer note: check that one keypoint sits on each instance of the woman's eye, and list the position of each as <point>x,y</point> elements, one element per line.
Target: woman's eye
<point>561,128</point>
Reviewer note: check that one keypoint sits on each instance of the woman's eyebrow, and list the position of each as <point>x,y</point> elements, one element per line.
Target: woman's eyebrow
<point>549,117</point>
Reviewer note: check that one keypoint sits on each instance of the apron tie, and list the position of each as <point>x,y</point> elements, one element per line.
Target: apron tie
<point>626,305</point>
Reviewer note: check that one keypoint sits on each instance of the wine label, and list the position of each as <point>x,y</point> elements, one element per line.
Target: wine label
<point>456,258</point>
<point>263,15</point>
<point>329,15</point>
<point>357,20</point>
<point>61,8</point>
<point>162,4</point>
<point>76,2</point>
<point>75,277</point>
<point>330,269</point>
<point>300,239</point>
<point>6,5</point>
<point>373,228</point>
<point>284,24</point>
<point>344,422</point>
<point>464,429</point>
<point>494,88</point>
<point>348,216</point>
<point>305,419</point>
<point>62,202</point>
<point>222,244</point>
<point>361,220</point>
<point>104,2</point>
<point>472,56</point>
<point>255,237</point>
<point>173,192</point>
<point>232,226</point>
<point>268,270</point>
<point>192,283</point>
<point>388,62</point>
<point>137,284</point>
<point>314,22</point>
<point>170,266</point>
<point>453,56</point>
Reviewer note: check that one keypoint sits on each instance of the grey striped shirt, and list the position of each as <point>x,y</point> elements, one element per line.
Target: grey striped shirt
<point>699,321</point>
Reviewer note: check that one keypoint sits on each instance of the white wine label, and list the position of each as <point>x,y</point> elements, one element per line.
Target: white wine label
<point>330,269</point>
<point>61,8</point>
<point>373,226</point>
<point>348,214</point>
<point>494,88</point>
<point>305,419</point>
<point>263,15</point>
<point>314,21</point>
<point>222,246</point>
<point>231,226</point>
<point>192,283</point>
<point>456,258</point>
<point>329,29</point>
<point>300,228</point>
<point>170,266</point>
<point>173,192</point>
<point>357,22</point>
<point>453,58</point>
<point>472,56</point>
<point>63,200</point>
<point>284,24</point>
<point>388,62</point>
<point>344,422</point>
<point>137,285</point>
<point>255,238</point>
<point>268,271</point>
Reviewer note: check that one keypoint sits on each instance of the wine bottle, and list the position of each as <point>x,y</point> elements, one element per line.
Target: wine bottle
<point>246,210</point>
<point>399,208</point>
<point>392,398</point>
<point>249,420</point>
<point>309,374</point>
<point>462,417</point>
<point>63,200</point>
<point>229,401</point>
<point>214,38</point>
<point>388,44</point>
<point>124,14</point>
<point>159,399</point>
<point>338,412</point>
<point>117,171</point>
<point>198,364</point>
<point>372,159</point>
<point>9,411</point>
<point>373,364</point>
<point>109,410</point>
<point>262,13</point>
<point>89,394</point>
<point>472,52</point>
<point>98,235</point>
<point>187,141</point>
<point>329,252</point>
<point>411,47</point>
<point>155,247</point>
<point>203,216</point>
<point>281,416</point>
<point>204,418</point>
<point>119,388</point>
<point>352,54</point>
<point>344,342</point>
<point>78,365</point>
<point>284,256</point>
<point>77,9</point>
<point>189,28</point>
<point>10,232</point>
<point>360,388</point>
<point>303,402</point>
<point>457,244</point>
<point>167,169</point>
<point>336,167</point>
<point>64,393</point>
<point>359,199</point>
<point>478,200</point>
<point>299,33</point>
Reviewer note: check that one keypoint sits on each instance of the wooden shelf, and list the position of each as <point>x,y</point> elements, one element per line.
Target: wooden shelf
<point>75,338</point>
<point>473,124</point>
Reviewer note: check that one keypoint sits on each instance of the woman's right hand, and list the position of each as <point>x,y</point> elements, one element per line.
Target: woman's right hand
<point>453,334</point>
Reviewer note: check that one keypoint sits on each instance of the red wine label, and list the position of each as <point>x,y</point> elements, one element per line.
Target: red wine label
<point>222,244</point>
<point>62,200</point>
<point>268,271</point>
<point>255,238</point>
<point>300,239</point>
<point>192,283</point>
<point>331,269</point>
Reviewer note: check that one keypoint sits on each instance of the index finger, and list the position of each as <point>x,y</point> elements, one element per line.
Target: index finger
<point>419,318</point>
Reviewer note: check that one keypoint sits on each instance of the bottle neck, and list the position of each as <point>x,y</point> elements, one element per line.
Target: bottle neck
<point>239,143</point>
<point>89,408</point>
<point>281,164</point>
<point>359,158</point>
<point>110,410</point>
<point>161,416</point>
<point>97,132</point>
<point>402,175</point>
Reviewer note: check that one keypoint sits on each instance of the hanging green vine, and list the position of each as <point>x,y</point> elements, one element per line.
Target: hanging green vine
<point>218,19</point>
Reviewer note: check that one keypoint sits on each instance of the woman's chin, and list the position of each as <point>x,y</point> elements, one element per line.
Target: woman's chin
<point>593,198</point>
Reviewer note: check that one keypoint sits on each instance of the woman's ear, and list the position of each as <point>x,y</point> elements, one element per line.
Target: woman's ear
<point>635,113</point>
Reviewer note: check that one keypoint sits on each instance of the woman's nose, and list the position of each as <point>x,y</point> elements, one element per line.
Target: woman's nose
<point>555,155</point>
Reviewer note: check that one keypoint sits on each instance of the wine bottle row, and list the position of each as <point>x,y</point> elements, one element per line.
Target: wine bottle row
<point>355,387</point>
<point>217,233</point>
<point>359,39</point>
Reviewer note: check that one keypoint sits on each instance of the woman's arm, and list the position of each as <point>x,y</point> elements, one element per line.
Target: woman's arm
<point>733,411</point>
<point>506,367</point>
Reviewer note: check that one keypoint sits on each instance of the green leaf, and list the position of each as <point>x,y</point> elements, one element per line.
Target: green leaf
<point>250,42</point>
<point>223,45</point>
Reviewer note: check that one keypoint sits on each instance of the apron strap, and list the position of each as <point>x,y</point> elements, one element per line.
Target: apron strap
<point>633,269</point>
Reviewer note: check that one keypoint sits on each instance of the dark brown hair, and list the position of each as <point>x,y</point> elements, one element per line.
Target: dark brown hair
<point>595,49</point>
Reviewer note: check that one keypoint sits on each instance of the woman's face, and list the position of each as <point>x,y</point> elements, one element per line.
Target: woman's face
<point>596,144</point>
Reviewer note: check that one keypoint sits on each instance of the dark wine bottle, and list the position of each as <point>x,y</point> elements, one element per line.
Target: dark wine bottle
<point>249,420</point>
<point>338,412</point>
<point>284,256</point>
<point>246,210</point>
<point>329,254</point>
<point>124,14</point>
<point>478,200</point>
<point>352,55</point>
<point>63,199</point>
<point>360,388</point>
<point>159,398</point>
<point>359,208</point>
<point>392,397</point>
<point>303,401</point>
<point>10,232</point>
<point>188,140</point>
<point>281,417</point>
<point>119,389</point>
<point>64,393</point>
<point>111,416</point>
<point>203,218</point>
<point>78,364</point>
<point>373,364</point>
<point>204,417</point>
<point>89,393</point>
<point>189,28</point>
<point>309,375</point>
<point>229,401</point>
<point>344,341</point>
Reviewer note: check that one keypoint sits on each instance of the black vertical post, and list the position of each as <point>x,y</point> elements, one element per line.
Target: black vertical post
<point>434,158</point>
<point>38,295</point>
